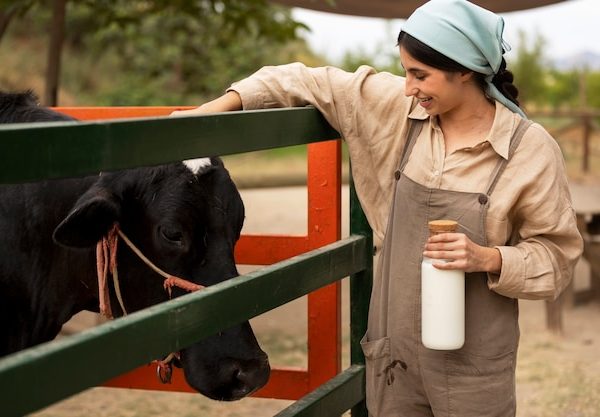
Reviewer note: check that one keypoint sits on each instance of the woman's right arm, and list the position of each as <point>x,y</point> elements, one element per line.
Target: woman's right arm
<point>334,92</point>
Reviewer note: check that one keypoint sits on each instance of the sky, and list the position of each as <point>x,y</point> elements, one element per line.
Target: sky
<point>569,27</point>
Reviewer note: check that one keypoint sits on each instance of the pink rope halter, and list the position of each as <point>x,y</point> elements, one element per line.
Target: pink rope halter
<point>106,257</point>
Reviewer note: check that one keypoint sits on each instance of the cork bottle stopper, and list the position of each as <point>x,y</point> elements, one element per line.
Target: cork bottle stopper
<point>442,226</point>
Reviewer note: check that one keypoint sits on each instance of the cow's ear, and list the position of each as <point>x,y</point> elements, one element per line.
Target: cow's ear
<point>91,218</point>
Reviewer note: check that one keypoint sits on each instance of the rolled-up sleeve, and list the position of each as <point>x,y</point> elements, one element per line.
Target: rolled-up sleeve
<point>329,89</point>
<point>541,266</point>
<point>548,244</point>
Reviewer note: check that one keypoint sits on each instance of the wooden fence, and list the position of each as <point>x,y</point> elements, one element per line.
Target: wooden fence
<point>37,377</point>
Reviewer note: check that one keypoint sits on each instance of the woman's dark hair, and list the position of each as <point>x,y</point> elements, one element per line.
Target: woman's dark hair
<point>503,80</point>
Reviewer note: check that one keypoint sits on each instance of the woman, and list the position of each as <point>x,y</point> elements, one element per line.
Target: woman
<point>447,141</point>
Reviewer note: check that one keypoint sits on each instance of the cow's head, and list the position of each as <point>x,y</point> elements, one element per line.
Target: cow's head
<point>186,219</point>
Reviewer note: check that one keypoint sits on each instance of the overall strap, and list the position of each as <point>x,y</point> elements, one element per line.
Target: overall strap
<point>515,140</point>
<point>414,130</point>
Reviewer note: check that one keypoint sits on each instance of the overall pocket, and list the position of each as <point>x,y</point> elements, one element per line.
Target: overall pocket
<point>378,384</point>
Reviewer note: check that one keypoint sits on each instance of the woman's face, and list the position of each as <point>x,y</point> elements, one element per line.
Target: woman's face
<point>438,91</point>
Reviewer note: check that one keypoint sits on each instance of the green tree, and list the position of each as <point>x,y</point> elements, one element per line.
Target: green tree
<point>529,68</point>
<point>157,37</point>
<point>174,57</point>
<point>9,10</point>
<point>562,89</point>
<point>593,89</point>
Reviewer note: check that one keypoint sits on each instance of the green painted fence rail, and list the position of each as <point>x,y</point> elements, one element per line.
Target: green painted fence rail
<point>44,374</point>
<point>40,376</point>
<point>70,149</point>
<point>333,397</point>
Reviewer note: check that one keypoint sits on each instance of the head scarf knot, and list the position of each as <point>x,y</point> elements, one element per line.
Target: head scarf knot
<point>466,33</point>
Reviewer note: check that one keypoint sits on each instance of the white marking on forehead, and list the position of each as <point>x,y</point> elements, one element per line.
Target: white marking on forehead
<point>195,165</point>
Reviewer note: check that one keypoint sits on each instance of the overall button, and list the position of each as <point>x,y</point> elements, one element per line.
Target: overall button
<point>483,199</point>
<point>397,174</point>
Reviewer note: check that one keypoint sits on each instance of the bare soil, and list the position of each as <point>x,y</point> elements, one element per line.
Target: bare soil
<point>557,376</point>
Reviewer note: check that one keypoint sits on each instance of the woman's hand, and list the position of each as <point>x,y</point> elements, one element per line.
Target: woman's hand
<point>462,253</point>
<point>228,102</point>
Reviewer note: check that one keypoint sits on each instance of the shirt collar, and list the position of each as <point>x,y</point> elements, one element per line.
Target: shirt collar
<point>502,129</point>
<point>500,133</point>
<point>417,112</point>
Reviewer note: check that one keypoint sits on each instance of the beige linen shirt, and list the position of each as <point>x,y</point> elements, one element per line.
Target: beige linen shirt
<point>530,218</point>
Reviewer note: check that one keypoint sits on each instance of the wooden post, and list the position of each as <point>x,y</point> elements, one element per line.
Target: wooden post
<point>591,253</point>
<point>586,121</point>
<point>57,36</point>
<point>554,321</point>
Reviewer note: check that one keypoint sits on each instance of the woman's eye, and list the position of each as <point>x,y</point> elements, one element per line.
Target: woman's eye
<point>172,235</point>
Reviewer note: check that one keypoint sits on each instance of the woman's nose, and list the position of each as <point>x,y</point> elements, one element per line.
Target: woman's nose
<point>409,89</point>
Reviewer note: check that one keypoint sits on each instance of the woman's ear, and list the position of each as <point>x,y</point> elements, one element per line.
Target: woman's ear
<point>466,76</point>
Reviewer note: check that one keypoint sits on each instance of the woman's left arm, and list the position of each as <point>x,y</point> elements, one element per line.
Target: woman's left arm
<point>540,266</point>
<point>547,242</point>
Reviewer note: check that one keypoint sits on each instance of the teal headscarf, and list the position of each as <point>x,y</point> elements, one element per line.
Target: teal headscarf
<point>467,34</point>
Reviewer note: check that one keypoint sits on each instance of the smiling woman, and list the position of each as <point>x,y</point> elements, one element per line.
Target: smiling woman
<point>449,141</point>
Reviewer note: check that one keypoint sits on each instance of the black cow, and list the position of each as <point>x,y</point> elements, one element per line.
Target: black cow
<point>185,219</point>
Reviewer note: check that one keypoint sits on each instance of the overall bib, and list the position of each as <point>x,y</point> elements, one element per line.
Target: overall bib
<point>404,378</point>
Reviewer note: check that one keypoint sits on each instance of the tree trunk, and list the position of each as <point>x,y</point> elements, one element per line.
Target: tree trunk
<point>57,35</point>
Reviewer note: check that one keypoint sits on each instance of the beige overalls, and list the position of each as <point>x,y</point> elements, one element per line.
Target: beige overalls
<point>403,377</point>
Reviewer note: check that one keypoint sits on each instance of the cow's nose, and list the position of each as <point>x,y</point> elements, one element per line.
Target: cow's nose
<point>248,376</point>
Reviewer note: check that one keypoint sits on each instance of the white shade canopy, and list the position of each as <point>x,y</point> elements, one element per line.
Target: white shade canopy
<point>393,9</point>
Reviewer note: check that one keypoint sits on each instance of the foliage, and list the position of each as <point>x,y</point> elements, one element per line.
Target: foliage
<point>167,52</point>
<point>186,49</point>
<point>593,89</point>
<point>163,52</point>
<point>561,88</point>
<point>9,9</point>
<point>529,69</point>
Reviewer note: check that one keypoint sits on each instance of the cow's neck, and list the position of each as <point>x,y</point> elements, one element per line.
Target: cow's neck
<point>52,301</point>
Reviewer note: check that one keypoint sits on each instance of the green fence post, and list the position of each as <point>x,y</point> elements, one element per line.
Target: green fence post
<point>360,290</point>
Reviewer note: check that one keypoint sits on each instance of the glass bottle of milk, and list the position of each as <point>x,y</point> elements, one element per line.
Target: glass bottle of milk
<point>442,299</point>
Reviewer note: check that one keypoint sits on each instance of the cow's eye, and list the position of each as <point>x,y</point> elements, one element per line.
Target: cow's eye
<point>172,235</point>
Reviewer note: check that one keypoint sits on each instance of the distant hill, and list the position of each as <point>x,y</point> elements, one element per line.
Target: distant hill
<point>580,60</point>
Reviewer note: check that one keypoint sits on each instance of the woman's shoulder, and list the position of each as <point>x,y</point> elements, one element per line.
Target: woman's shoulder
<point>381,86</point>
<point>539,148</point>
<point>538,137</point>
<point>363,77</point>
<point>382,76</point>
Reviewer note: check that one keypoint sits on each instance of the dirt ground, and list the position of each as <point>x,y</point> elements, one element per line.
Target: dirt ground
<point>557,376</point>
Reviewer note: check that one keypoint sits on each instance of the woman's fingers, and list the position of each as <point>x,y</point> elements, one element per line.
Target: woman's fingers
<point>456,248</point>
<point>462,253</point>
